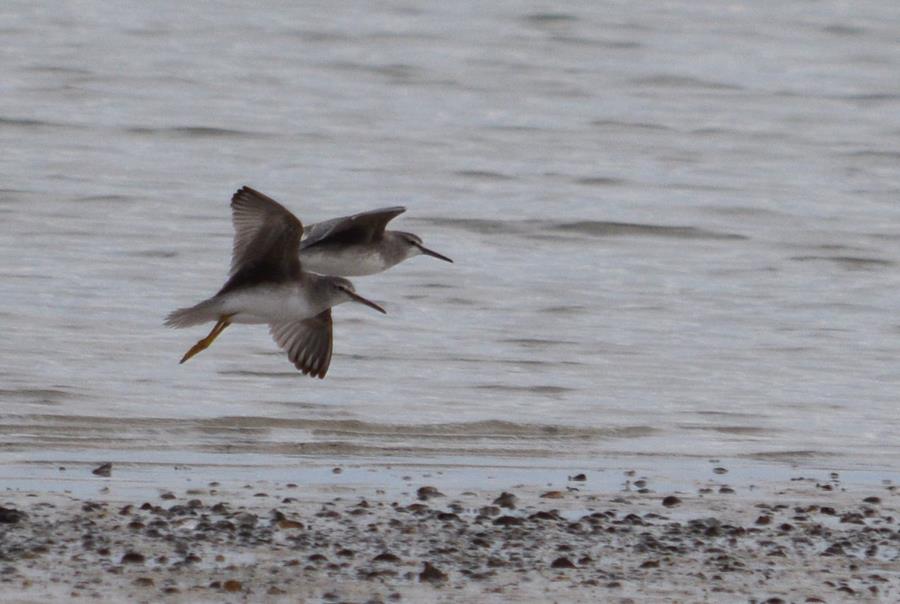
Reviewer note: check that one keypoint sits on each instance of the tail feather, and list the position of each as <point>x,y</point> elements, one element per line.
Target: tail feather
<point>206,311</point>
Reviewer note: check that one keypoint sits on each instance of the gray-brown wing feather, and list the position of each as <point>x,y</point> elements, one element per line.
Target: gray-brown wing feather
<point>358,228</point>
<point>307,343</point>
<point>264,231</point>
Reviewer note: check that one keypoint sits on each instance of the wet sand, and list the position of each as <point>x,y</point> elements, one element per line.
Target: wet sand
<point>437,540</point>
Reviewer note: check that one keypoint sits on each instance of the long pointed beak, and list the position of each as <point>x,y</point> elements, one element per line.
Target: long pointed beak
<point>357,298</point>
<point>433,254</point>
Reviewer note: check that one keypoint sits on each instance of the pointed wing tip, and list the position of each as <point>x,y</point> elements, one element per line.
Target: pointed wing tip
<point>311,372</point>
<point>394,211</point>
<point>385,214</point>
<point>254,201</point>
<point>244,191</point>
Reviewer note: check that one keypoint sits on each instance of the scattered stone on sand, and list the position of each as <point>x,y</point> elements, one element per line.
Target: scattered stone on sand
<point>432,574</point>
<point>832,546</point>
<point>506,500</point>
<point>11,516</point>
<point>562,562</point>
<point>104,469</point>
<point>427,492</point>
<point>671,501</point>
<point>132,557</point>
<point>489,511</point>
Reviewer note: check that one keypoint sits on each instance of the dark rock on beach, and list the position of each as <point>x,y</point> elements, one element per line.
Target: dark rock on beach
<point>11,515</point>
<point>103,470</point>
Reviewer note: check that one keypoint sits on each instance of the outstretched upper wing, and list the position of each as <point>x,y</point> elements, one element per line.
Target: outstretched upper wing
<point>306,342</point>
<point>266,240</point>
<point>358,228</point>
<point>263,229</point>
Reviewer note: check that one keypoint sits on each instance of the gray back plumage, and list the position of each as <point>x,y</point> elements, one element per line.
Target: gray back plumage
<point>361,228</point>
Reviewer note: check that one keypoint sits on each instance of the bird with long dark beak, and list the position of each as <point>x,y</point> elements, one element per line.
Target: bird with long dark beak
<point>358,245</point>
<point>269,284</point>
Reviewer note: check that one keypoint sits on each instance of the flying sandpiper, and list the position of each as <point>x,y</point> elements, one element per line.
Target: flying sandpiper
<point>357,245</point>
<point>268,284</point>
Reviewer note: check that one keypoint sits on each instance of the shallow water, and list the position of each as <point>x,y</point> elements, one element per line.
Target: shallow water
<point>674,227</point>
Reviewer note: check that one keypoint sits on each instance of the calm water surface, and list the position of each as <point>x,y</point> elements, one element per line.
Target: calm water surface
<point>676,226</point>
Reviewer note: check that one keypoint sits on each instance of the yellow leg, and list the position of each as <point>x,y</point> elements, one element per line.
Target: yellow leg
<point>205,342</point>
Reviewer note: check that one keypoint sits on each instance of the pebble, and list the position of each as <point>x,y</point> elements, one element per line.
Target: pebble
<point>11,515</point>
<point>132,557</point>
<point>432,574</point>
<point>562,562</point>
<point>427,492</point>
<point>506,500</point>
<point>489,510</point>
<point>508,521</point>
<point>104,470</point>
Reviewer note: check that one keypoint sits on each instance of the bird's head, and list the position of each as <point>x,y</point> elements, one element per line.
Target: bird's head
<point>343,291</point>
<point>414,246</point>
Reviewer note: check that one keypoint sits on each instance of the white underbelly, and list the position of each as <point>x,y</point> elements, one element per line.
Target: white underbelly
<point>350,263</point>
<point>269,305</point>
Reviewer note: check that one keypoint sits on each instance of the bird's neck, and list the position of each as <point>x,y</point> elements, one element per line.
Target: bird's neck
<point>395,249</point>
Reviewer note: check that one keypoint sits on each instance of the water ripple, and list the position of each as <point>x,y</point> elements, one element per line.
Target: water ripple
<point>849,262</point>
<point>601,228</point>
<point>196,132</point>
<point>678,81</point>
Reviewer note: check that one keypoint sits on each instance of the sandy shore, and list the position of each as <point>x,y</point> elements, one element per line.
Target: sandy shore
<point>800,541</point>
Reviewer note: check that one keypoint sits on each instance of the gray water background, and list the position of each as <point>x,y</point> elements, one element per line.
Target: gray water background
<point>675,224</point>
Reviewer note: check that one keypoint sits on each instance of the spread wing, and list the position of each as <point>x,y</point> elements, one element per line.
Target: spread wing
<point>266,240</point>
<point>307,343</point>
<point>263,229</point>
<point>364,227</point>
